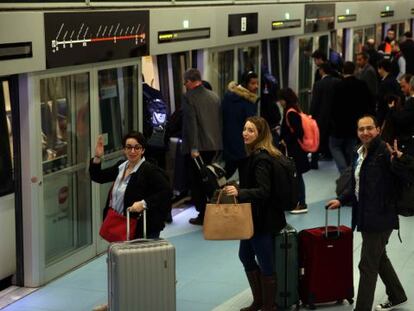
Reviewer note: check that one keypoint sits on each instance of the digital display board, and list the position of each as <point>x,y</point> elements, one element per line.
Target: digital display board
<point>287,23</point>
<point>82,38</point>
<point>347,18</point>
<point>387,13</point>
<point>243,24</point>
<point>319,17</point>
<point>183,35</point>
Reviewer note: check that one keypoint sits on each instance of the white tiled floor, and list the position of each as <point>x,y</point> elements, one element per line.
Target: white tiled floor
<point>209,274</point>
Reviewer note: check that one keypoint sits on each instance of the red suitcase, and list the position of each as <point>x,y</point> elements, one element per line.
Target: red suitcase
<point>326,267</point>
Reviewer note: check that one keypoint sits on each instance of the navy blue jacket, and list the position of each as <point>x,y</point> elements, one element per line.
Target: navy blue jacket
<point>238,104</point>
<point>376,209</point>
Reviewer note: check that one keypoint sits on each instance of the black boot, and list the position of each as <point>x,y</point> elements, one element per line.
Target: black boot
<point>269,293</point>
<point>255,285</point>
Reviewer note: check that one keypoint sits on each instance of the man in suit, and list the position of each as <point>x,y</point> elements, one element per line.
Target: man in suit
<point>322,101</point>
<point>367,73</point>
<point>201,134</point>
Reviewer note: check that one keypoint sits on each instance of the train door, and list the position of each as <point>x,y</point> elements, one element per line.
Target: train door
<point>278,59</point>
<point>228,64</point>
<point>64,111</point>
<point>7,184</point>
<point>306,46</point>
<point>360,37</point>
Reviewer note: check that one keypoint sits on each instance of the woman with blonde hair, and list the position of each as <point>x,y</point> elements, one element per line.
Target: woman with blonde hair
<point>258,185</point>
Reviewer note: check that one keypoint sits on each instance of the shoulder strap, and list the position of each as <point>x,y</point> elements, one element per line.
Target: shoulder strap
<point>287,119</point>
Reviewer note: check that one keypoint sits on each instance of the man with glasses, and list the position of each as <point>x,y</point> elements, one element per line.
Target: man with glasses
<point>373,195</point>
<point>201,134</point>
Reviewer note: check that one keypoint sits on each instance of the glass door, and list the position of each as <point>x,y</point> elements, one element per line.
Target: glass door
<point>118,111</point>
<point>307,67</point>
<point>221,70</point>
<point>180,63</point>
<point>229,63</point>
<point>279,60</point>
<point>65,141</point>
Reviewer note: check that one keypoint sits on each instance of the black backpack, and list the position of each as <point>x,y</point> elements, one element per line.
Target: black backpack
<point>155,119</point>
<point>285,184</point>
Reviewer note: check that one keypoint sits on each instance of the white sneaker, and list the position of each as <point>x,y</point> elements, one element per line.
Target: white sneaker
<point>389,305</point>
<point>300,209</point>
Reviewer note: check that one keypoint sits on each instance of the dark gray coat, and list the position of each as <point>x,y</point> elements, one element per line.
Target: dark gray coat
<point>201,121</point>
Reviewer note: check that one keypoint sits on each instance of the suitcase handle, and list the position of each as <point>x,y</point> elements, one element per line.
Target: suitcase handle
<point>199,162</point>
<point>144,212</point>
<point>326,221</point>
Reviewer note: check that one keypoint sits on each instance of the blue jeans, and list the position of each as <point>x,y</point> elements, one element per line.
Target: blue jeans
<point>301,190</point>
<point>341,150</point>
<point>260,246</point>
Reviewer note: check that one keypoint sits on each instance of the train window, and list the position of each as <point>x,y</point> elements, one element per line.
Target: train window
<point>65,135</point>
<point>180,63</point>
<point>6,140</point>
<point>248,58</point>
<point>221,70</point>
<point>118,99</point>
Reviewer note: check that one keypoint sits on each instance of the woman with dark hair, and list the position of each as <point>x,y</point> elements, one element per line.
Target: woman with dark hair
<point>291,131</point>
<point>258,186</point>
<point>138,184</point>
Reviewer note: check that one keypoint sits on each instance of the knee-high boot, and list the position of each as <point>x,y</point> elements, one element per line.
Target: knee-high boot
<point>255,285</point>
<point>269,293</point>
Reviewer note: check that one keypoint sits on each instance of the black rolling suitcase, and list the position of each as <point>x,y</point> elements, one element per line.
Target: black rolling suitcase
<point>287,268</point>
<point>213,176</point>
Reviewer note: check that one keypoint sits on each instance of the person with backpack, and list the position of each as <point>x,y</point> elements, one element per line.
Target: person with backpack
<point>373,192</point>
<point>258,186</point>
<point>291,134</point>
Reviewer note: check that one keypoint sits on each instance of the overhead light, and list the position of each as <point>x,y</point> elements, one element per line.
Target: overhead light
<point>347,11</point>
<point>287,15</point>
<point>186,23</point>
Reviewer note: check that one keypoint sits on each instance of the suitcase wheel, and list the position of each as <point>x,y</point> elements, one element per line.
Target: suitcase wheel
<point>350,300</point>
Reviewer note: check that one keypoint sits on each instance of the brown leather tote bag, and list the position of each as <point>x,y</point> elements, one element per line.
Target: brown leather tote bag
<point>228,221</point>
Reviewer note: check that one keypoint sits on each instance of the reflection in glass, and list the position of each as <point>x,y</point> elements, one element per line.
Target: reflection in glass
<point>65,150</point>
<point>222,71</point>
<point>248,60</point>
<point>118,102</point>
<point>305,72</point>
<point>6,141</point>
<point>180,63</point>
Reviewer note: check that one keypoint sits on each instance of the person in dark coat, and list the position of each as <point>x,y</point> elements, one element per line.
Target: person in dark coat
<point>258,186</point>
<point>321,103</point>
<point>367,73</point>
<point>201,135</point>
<point>373,193</point>
<point>407,49</point>
<point>351,100</point>
<point>388,86</point>
<point>138,184</point>
<point>291,132</point>
<point>239,103</point>
<point>403,120</point>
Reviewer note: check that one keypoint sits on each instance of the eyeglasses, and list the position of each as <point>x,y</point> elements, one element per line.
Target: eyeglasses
<point>130,147</point>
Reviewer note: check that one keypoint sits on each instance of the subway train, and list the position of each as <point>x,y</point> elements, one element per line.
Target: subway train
<point>72,70</point>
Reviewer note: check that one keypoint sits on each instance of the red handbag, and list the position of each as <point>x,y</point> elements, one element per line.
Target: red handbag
<point>114,227</point>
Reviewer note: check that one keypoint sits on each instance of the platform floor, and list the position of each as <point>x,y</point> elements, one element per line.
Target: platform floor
<point>209,274</point>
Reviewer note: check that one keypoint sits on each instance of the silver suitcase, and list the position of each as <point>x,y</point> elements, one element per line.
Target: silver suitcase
<point>141,275</point>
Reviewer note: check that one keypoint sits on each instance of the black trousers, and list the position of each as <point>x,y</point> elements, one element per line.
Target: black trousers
<point>374,261</point>
<point>198,194</point>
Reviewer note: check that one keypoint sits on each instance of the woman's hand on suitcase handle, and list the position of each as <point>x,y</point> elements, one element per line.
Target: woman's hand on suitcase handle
<point>333,204</point>
<point>137,207</point>
<point>231,190</point>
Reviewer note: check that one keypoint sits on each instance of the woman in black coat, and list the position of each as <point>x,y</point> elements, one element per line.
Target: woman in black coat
<point>258,186</point>
<point>138,184</point>
<point>290,134</point>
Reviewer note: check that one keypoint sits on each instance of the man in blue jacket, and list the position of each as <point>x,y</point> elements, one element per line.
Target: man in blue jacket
<point>373,193</point>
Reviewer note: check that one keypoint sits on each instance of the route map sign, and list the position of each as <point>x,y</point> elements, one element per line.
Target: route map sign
<point>82,38</point>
